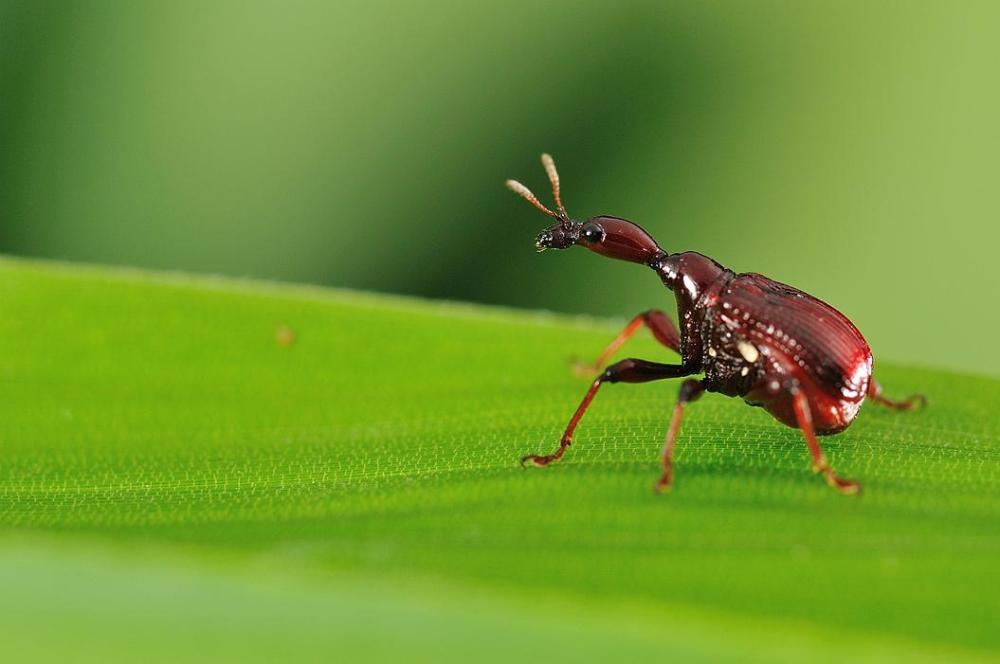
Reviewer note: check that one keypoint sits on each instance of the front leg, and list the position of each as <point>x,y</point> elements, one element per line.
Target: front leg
<point>659,323</point>
<point>627,371</point>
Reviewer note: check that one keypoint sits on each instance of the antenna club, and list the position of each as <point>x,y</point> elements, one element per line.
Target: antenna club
<point>517,187</point>
<point>526,194</point>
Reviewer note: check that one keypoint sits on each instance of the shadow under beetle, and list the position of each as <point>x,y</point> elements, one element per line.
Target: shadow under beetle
<point>751,337</point>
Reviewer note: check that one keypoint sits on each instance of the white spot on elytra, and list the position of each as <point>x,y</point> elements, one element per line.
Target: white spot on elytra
<point>711,352</point>
<point>748,351</point>
<point>744,371</point>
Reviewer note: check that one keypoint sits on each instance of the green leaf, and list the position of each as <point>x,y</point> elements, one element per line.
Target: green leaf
<point>210,469</point>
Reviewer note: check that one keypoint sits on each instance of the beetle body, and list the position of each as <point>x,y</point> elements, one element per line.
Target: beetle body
<point>751,337</point>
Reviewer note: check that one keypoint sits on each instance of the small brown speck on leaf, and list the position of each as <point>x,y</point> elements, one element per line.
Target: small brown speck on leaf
<point>284,336</point>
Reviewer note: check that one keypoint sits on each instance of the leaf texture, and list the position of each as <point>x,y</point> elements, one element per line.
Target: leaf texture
<point>218,447</point>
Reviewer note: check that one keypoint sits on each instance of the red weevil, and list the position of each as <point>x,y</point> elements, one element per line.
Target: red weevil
<point>751,337</point>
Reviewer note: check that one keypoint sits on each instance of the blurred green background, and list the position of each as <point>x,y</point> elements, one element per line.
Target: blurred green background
<point>848,148</point>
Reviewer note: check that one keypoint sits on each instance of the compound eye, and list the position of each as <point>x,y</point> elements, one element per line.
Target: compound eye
<point>591,232</point>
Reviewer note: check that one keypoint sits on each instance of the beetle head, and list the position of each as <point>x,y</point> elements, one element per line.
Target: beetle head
<point>609,236</point>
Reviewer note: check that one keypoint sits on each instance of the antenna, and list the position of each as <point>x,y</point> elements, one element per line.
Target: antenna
<point>525,193</point>
<point>550,170</point>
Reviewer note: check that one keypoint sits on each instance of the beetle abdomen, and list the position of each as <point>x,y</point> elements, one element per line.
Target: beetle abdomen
<point>801,338</point>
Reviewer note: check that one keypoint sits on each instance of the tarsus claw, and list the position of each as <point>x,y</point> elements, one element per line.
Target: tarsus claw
<point>663,486</point>
<point>846,487</point>
<point>582,369</point>
<point>534,460</point>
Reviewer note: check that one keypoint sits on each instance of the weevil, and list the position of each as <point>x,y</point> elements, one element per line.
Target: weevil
<point>748,336</point>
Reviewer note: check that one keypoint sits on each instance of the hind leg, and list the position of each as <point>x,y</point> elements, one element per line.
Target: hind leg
<point>691,389</point>
<point>912,402</point>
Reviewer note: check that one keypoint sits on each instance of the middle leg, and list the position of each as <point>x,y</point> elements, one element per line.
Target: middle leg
<point>626,371</point>
<point>691,389</point>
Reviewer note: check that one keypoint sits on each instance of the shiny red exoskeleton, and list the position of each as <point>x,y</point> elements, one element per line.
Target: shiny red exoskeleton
<point>751,337</point>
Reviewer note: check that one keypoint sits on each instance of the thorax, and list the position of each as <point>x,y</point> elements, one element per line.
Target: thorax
<point>697,282</point>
